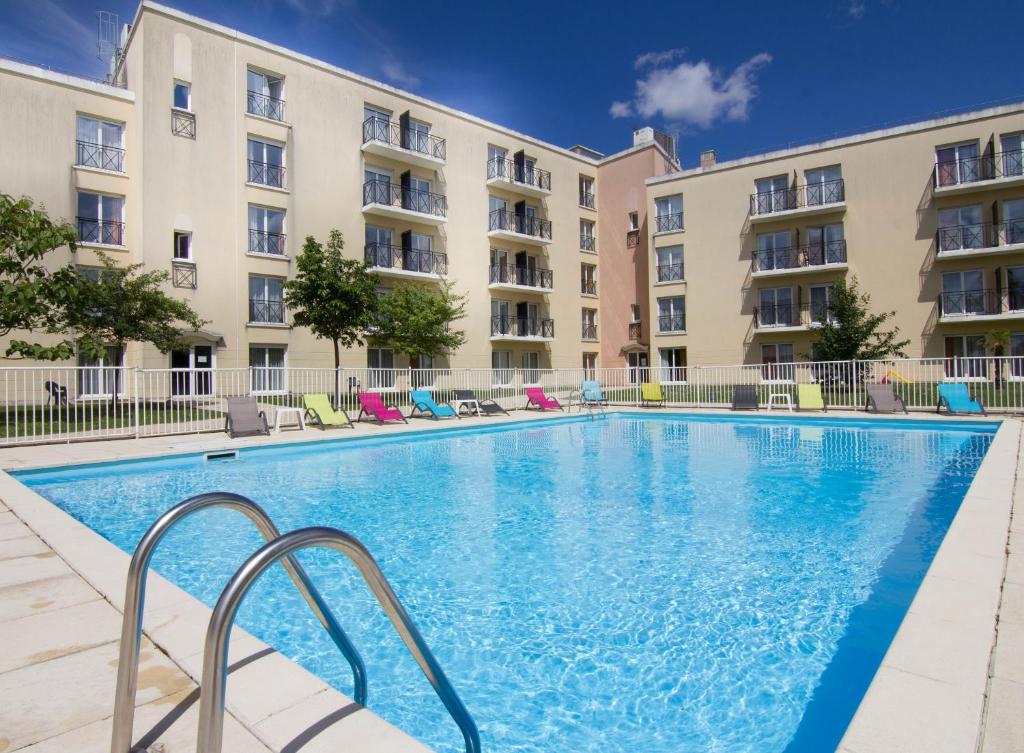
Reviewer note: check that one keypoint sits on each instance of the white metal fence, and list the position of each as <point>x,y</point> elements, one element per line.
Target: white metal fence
<point>63,403</point>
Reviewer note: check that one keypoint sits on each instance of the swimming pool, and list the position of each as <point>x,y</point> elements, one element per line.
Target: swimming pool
<point>637,582</point>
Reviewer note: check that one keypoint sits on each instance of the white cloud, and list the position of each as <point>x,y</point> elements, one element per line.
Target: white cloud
<point>319,8</point>
<point>396,72</point>
<point>856,9</point>
<point>658,58</point>
<point>694,93</point>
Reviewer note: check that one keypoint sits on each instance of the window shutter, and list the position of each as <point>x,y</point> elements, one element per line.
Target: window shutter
<point>403,128</point>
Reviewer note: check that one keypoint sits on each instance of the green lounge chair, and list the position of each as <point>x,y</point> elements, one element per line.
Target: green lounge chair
<point>323,414</point>
<point>957,399</point>
<point>808,397</point>
<point>423,402</point>
<point>651,395</point>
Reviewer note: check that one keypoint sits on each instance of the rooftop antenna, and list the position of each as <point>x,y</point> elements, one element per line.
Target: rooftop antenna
<point>108,48</point>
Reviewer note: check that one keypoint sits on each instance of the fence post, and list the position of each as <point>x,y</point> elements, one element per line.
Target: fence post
<point>136,419</point>
<point>337,387</point>
<point>856,386</point>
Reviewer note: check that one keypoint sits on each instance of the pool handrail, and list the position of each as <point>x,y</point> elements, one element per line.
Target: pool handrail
<point>215,653</point>
<point>135,596</point>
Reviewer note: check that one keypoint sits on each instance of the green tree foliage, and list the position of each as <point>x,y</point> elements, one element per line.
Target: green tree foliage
<point>998,341</point>
<point>416,320</point>
<point>852,331</point>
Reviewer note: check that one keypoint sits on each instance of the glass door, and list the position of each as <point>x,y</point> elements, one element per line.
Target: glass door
<point>962,293</point>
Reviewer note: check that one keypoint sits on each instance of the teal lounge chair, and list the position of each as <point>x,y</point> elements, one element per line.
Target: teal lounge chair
<point>423,402</point>
<point>957,399</point>
<point>592,394</point>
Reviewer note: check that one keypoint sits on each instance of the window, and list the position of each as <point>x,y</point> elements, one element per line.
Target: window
<point>266,230</point>
<point>265,95</point>
<point>589,365</point>
<point>377,186</point>
<point>266,163</point>
<point>588,279</point>
<point>99,144</point>
<point>636,363</point>
<point>589,324</point>
<point>774,251</point>
<point>586,192</point>
<point>673,364</point>
<point>182,246</point>
<point>501,367</point>
<point>100,218</point>
<point>825,245</point>
<point>496,162</point>
<point>416,194</point>
<point>634,312</point>
<point>1013,154</point>
<point>182,95</point>
<point>417,137</point>
<point>267,369</point>
<point>821,297</point>
<point>1012,229</point>
<point>634,220</point>
<point>957,164</point>
<point>587,240</point>
<point>776,308</point>
<point>531,367</point>
<point>824,185</point>
<point>1017,356</point>
<point>670,263</point>
<point>380,363</point>
<point>378,249</point>
<point>266,300</point>
<point>672,314</point>
<point>418,255</point>
<point>772,195</point>
<point>963,293</point>
<point>1015,288</point>
<point>961,228</point>
<point>777,362</point>
<point>668,213</point>
<point>965,356</point>
<point>98,377</point>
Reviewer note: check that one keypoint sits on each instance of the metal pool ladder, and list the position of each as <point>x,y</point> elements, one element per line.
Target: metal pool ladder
<point>278,548</point>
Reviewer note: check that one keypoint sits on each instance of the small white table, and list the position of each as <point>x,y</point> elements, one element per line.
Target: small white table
<point>783,397</point>
<point>299,413</point>
<point>457,406</point>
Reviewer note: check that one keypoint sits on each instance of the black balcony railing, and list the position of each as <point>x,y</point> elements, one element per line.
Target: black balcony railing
<point>388,132</point>
<point>183,275</point>
<point>589,331</point>
<point>797,257</point>
<point>780,315</point>
<point>107,232</point>
<point>672,322</point>
<point>974,169</point>
<point>588,242</point>
<point>183,124</point>
<point>506,169</point>
<point>266,174</point>
<point>670,272</point>
<point>980,236</point>
<point>101,157</point>
<point>514,275</point>
<point>666,223</point>
<point>588,287</point>
<point>266,311</point>
<point>503,219</point>
<point>383,256</point>
<point>798,197</point>
<point>587,199</point>
<point>981,302</point>
<point>265,242</point>
<point>412,199</point>
<point>265,106</point>
<point>522,326</point>
<point>635,330</point>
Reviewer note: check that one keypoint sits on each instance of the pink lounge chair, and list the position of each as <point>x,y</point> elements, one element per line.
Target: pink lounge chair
<point>371,404</point>
<point>536,396</point>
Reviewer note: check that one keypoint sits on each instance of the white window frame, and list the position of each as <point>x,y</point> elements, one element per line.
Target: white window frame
<point>187,236</point>
<point>674,302</point>
<point>188,95</point>
<point>101,218</point>
<point>283,389</point>
<point>497,370</point>
<point>664,369</point>
<point>778,363</point>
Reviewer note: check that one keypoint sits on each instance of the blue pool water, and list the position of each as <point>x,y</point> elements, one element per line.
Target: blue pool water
<point>635,583</point>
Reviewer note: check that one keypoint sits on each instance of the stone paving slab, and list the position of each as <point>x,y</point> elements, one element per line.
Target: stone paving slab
<point>41,596</point>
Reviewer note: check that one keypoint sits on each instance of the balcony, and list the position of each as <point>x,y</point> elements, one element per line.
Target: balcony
<point>183,274</point>
<point>101,232</point>
<point>671,323</point>
<point>266,243</point>
<point>516,328</point>
<point>388,139</point>
<point>589,331</point>
<point>588,287</point>
<point>395,261</point>
<point>266,311</point>
<point>504,173</point>
<point>810,257</point>
<point>815,198</point>
<point>99,156</point>
<point>522,279</point>
<point>266,174</point>
<point>670,272</point>
<point>183,124</point>
<point>587,199</point>
<point>264,106</point>
<point>981,305</point>
<point>959,241</point>
<point>635,331</point>
<point>518,227</point>
<point>668,223</point>
<point>380,197</point>
<point>783,317</point>
<point>979,173</point>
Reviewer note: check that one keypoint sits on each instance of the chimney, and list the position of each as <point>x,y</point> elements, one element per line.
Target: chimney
<point>708,158</point>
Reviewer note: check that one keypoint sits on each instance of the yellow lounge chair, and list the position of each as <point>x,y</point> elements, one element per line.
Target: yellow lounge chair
<point>319,409</point>
<point>808,397</point>
<point>650,395</point>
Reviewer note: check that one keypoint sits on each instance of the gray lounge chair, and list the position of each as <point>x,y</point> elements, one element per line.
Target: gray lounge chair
<point>488,406</point>
<point>744,397</point>
<point>882,398</point>
<point>58,393</point>
<point>245,418</point>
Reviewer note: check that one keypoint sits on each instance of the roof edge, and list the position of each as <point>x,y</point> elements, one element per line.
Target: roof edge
<point>65,79</point>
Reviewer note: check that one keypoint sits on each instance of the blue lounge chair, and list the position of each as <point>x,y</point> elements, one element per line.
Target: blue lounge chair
<point>423,402</point>
<point>592,394</point>
<point>957,399</point>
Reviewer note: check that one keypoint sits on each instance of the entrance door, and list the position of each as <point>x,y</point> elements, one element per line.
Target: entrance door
<point>181,362</point>
<point>203,364</point>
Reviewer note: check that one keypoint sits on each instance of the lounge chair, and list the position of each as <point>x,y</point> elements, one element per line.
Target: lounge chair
<point>487,405</point>
<point>372,404</point>
<point>808,397</point>
<point>744,397</point>
<point>536,396</point>
<point>592,393</point>
<point>651,395</point>
<point>56,392</point>
<point>245,418</point>
<point>957,399</point>
<point>882,398</point>
<point>423,402</point>
<point>323,414</point>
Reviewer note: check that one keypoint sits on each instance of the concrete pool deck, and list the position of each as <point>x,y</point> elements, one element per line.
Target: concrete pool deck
<point>945,685</point>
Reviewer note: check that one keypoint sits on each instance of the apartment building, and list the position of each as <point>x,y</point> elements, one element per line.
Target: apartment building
<point>928,217</point>
<point>217,153</point>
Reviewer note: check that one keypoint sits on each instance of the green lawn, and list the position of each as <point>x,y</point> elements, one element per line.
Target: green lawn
<point>43,420</point>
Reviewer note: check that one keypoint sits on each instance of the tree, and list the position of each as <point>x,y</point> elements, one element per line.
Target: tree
<point>31,295</point>
<point>416,321</point>
<point>998,341</point>
<point>851,332</point>
<point>335,297</point>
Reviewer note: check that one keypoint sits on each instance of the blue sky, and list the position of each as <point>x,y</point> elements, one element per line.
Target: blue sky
<point>718,74</point>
